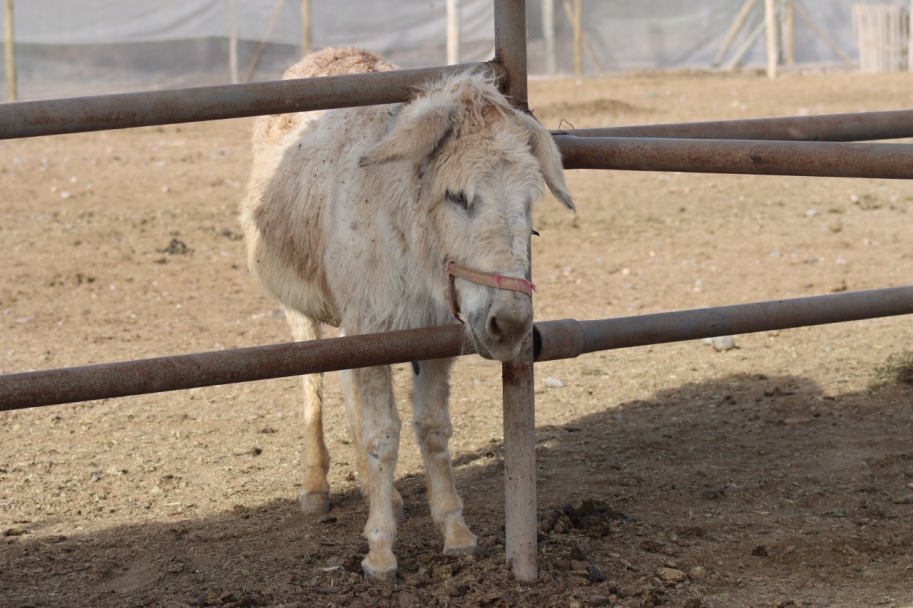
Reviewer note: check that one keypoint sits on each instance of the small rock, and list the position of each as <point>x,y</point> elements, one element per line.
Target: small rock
<point>670,575</point>
<point>711,494</point>
<point>594,574</point>
<point>600,600</point>
<point>759,551</point>
<point>509,599</point>
<point>698,572</point>
<point>580,550</point>
<point>554,382</point>
<point>904,500</point>
<point>578,565</point>
<point>722,343</point>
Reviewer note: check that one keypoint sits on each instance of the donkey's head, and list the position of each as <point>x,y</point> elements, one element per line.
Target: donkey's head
<point>479,167</point>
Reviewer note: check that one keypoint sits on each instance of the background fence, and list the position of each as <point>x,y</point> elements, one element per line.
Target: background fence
<point>88,47</point>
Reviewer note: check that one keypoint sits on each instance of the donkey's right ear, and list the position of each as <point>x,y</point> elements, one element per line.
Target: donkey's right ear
<point>415,138</point>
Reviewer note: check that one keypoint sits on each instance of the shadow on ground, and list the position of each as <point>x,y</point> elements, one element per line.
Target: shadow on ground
<point>743,491</point>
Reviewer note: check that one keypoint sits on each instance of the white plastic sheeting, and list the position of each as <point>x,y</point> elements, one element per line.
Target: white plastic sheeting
<point>75,47</point>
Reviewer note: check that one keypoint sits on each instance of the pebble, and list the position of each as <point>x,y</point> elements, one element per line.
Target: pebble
<point>711,494</point>
<point>555,382</point>
<point>720,343</point>
<point>671,575</point>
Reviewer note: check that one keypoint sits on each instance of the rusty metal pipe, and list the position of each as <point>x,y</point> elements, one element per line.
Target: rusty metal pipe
<point>863,126</point>
<point>568,338</point>
<point>104,381</point>
<point>553,340</point>
<point>818,159</point>
<point>81,114</point>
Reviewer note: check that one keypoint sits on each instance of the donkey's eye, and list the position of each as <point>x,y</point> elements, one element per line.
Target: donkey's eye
<point>458,198</point>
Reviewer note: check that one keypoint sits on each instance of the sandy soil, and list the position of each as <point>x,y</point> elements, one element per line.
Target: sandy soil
<point>778,473</point>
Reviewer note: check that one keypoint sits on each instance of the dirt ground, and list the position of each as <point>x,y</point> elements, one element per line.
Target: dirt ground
<point>778,473</point>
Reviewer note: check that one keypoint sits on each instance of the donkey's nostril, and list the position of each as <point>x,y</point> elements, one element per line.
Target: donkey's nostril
<point>494,329</point>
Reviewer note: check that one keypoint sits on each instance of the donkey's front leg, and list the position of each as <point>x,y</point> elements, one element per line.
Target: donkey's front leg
<point>433,430</point>
<point>380,437</point>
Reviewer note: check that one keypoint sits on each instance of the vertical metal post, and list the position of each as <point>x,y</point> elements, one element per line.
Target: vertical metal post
<point>233,40</point>
<point>770,20</point>
<point>519,398</point>
<point>578,38</point>
<point>548,35</point>
<point>453,32</point>
<point>306,41</point>
<point>9,46</point>
<point>789,33</point>
<point>510,48</point>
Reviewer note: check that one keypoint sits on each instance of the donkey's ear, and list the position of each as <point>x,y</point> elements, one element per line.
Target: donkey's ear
<point>546,151</point>
<point>415,138</point>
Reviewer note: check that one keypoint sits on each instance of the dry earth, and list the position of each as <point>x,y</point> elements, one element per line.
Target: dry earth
<point>778,473</point>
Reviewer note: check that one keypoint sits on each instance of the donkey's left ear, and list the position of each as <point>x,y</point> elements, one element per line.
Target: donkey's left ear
<point>546,151</point>
<point>415,137</point>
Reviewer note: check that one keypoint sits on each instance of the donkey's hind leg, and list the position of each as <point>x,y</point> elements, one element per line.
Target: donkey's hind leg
<point>315,459</point>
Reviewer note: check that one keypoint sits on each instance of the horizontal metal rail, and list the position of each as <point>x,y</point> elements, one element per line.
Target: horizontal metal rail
<point>816,159</point>
<point>862,126</point>
<point>103,112</point>
<point>554,340</point>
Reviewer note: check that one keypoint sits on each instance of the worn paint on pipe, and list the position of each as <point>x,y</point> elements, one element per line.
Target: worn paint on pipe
<point>103,112</point>
<point>817,159</point>
<point>862,126</point>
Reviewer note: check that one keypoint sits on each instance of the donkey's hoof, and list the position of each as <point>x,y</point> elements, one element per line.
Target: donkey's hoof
<point>458,540</point>
<point>315,502</point>
<point>382,570</point>
<point>467,549</point>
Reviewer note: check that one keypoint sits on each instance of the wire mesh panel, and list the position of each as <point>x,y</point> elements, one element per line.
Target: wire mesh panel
<point>883,34</point>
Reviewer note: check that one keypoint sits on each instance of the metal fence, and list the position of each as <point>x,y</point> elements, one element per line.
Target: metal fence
<point>727,147</point>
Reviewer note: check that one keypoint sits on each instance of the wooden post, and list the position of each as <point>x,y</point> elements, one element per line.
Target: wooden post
<point>548,35</point>
<point>734,31</point>
<point>578,38</point>
<point>9,47</point>
<point>233,40</point>
<point>453,32</point>
<point>305,27</point>
<point>789,33</point>
<point>770,21</point>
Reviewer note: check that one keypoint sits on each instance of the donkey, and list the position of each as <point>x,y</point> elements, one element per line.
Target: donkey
<point>398,217</point>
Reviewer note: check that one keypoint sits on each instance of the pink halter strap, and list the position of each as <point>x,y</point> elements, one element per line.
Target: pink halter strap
<point>497,281</point>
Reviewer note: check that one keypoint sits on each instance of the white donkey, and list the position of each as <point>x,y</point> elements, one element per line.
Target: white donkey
<point>361,219</point>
